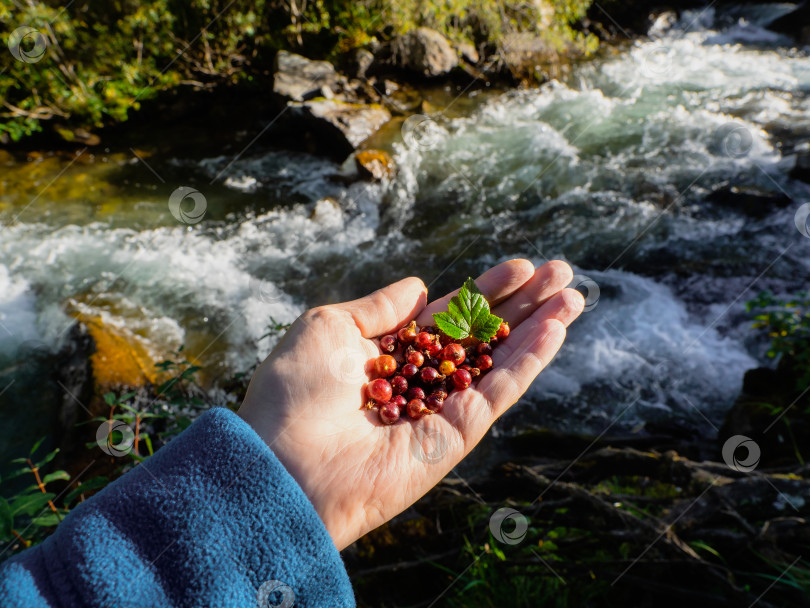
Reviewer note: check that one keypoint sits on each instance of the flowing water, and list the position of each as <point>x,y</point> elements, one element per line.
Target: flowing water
<point>609,169</point>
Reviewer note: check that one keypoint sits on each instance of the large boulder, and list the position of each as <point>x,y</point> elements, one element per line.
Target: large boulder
<point>425,51</point>
<point>342,126</point>
<point>297,78</point>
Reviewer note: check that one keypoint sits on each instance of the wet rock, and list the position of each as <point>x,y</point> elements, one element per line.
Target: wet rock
<point>425,51</point>
<point>363,60</point>
<point>401,98</point>
<point>749,201</point>
<point>374,164</point>
<point>121,358</point>
<point>468,52</point>
<point>770,411</point>
<point>342,125</point>
<point>801,170</point>
<point>297,78</point>
<point>525,53</point>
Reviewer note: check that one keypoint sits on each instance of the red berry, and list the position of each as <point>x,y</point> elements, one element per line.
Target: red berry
<point>409,370</point>
<point>434,403</point>
<point>440,391</point>
<point>407,334</point>
<point>423,340</point>
<point>379,390</point>
<point>399,400</point>
<point>417,409</point>
<point>445,339</point>
<point>415,357</point>
<point>429,375</point>
<point>388,344</point>
<point>399,385</point>
<point>389,412</point>
<point>484,349</point>
<point>385,365</point>
<point>474,372</point>
<point>447,367</point>
<point>493,341</point>
<point>435,346</point>
<point>433,362</point>
<point>454,353</point>
<point>415,393</point>
<point>503,331</point>
<point>461,379</point>
<point>483,362</point>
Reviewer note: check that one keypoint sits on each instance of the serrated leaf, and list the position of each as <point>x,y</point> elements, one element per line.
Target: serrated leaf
<point>486,327</point>
<point>445,323</point>
<point>468,315</point>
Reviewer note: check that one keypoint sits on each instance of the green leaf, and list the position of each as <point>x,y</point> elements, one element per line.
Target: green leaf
<point>30,504</point>
<point>110,398</point>
<point>56,475</point>
<point>88,486</point>
<point>47,520</point>
<point>445,322</point>
<point>468,315</point>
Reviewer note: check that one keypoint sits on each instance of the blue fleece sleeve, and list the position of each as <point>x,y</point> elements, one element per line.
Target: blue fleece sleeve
<point>212,519</point>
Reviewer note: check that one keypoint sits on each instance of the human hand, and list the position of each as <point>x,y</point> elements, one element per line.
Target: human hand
<point>305,399</point>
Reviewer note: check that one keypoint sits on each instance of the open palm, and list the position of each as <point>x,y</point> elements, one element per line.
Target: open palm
<point>305,399</point>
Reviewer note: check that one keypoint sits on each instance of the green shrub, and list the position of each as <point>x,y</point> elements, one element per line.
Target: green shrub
<point>101,60</point>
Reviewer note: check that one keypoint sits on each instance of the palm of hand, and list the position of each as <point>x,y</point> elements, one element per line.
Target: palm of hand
<point>305,399</point>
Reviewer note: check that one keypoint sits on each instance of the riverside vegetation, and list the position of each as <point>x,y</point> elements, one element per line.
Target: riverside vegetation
<point>93,64</point>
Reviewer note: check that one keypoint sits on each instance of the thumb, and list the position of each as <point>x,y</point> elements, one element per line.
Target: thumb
<point>389,308</point>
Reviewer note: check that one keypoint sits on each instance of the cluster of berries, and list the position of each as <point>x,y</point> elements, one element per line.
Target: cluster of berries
<point>419,368</point>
